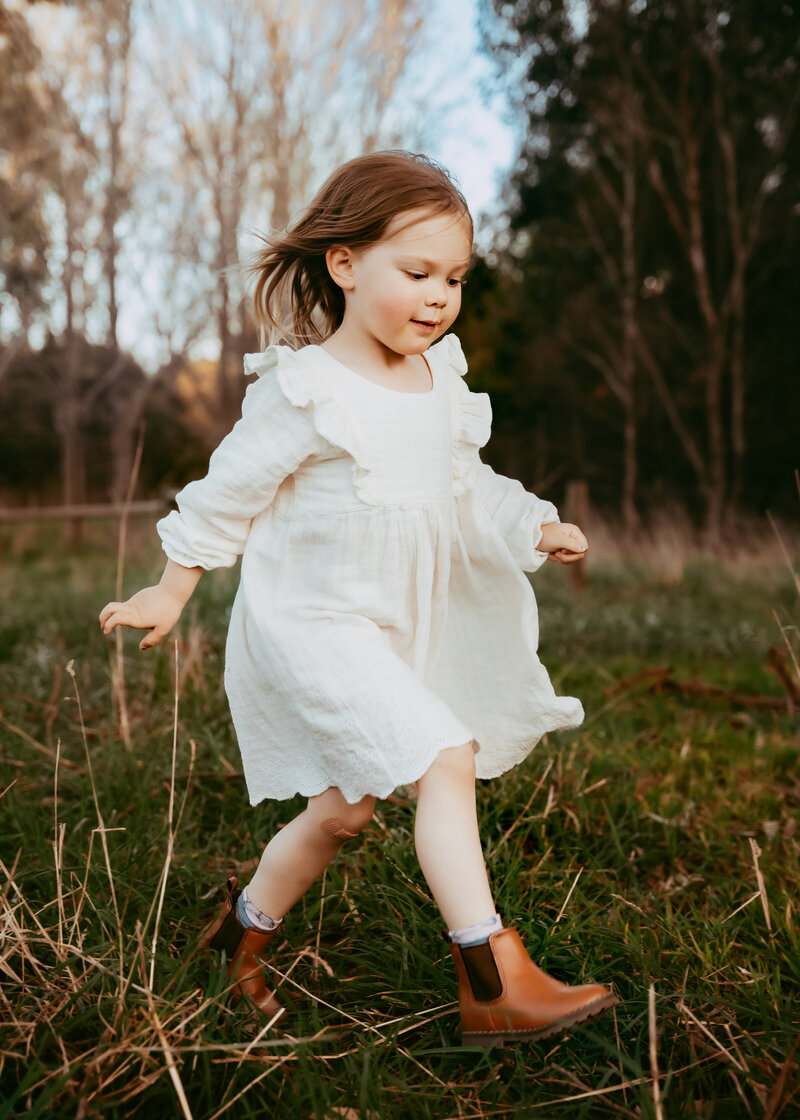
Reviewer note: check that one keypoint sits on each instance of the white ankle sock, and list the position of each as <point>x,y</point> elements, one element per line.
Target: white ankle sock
<point>474,935</point>
<point>249,914</point>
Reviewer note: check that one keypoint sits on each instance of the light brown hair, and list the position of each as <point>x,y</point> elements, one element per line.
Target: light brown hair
<point>295,298</point>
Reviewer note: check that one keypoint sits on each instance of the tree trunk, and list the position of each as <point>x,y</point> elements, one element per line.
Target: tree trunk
<point>737,396</point>
<point>717,473</point>
<point>67,410</point>
<point>628,371</point>
<point>715,341</point>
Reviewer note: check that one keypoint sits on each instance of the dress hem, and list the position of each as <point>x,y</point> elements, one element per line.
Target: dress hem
<point>496,768</point>
<point>309,791</point>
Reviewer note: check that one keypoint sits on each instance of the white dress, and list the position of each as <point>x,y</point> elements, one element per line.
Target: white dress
<point>383,613</point>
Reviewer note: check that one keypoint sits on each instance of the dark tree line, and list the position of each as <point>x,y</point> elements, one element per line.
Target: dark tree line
<point>31,455</point>
<point>639,317</point>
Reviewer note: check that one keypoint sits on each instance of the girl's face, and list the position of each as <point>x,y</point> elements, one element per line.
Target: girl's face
<point>405,291</point>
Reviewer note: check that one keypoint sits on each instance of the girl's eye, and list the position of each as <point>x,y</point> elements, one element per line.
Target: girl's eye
<point>454,282</point>
<point>416,275</point>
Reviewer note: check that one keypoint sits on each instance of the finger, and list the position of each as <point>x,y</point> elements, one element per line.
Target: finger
<point>108,610</point>
<point>152,639</point>
<point>576,538</point>
<point>118,618</point>
<point>110,622</point>
<point>123,617</point>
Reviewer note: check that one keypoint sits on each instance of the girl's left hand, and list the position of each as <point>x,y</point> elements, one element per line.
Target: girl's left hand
<point>565,543</point>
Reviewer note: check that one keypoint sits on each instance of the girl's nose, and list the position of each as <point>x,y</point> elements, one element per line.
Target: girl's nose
<point>437,297</point>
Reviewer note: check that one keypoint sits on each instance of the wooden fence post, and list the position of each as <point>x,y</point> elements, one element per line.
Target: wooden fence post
<point>576,509</point>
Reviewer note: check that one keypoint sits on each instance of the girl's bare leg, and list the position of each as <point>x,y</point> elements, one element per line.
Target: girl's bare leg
<point>448,841</point>
<point>298,854</point>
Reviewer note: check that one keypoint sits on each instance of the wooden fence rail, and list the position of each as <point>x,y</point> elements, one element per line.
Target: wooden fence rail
<point>73,517</point>
<point>73,513</point>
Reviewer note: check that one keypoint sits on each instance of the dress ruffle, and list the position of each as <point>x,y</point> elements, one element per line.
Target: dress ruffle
<point>473,419</point>
<point>307,386</point>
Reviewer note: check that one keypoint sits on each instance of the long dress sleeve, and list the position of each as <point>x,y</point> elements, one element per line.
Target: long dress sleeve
<point>273,437</point>
<point>517,514</point>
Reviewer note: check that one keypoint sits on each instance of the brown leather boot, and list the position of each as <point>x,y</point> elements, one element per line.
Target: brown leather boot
<point>243,947</point>
<point>504,997</point>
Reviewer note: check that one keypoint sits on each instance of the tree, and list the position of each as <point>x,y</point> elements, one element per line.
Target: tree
<point>255,95</point>
<point>28,156</point>
<point>652,182</point>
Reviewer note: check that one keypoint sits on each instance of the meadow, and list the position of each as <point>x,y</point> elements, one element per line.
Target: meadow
<point>655,848</point>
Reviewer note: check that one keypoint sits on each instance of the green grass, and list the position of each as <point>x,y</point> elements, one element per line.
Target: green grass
<point>647,814</point>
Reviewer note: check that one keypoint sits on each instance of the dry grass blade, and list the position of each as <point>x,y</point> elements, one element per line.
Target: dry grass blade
<point>715,1041</point>
<point>778,663</point>
<point>267,1026</point>
<point>170,830</point>
<point>319,923</point>
<point>776,1097</point>
<point>251,1085</point>
<point>792,655</point>
<point>58,850</point>
<point>653,1029</point>
<point>169,1058</point>
<point>762,890</point>
<point>504,838</point>
<point>101,824</point>
<point>24,939</point>
<point>744,905</point>
<point>358,1022</point>
<point>118,668</point>
<point>29,739</point>
<point>784,551</point>
<point>618,1088</point>
<point>610,1105</point>
<point>569,895</point>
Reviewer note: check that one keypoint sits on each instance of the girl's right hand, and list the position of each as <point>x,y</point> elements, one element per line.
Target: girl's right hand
<point>565,543</point>
<point>152,608</point>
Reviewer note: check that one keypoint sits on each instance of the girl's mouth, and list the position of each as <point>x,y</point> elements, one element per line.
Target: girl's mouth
<point>426,324</point>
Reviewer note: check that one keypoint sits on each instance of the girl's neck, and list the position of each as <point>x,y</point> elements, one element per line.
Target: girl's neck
<point>365,354</point>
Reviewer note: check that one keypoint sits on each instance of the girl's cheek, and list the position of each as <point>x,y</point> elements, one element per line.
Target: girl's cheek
<point>386,303</point>
<point>453,305</point>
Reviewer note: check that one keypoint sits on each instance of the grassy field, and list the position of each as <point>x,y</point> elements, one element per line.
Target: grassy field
<point>656,849</point>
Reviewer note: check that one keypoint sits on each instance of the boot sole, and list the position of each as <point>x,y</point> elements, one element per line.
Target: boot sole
<point>500,1038</point>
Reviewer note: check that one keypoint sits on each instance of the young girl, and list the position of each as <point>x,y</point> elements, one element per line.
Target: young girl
<point>383,632</point>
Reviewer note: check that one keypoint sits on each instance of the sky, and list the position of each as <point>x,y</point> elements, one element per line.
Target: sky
<point>452,102</point>
<point>478,145</point>
<point>466,128</point>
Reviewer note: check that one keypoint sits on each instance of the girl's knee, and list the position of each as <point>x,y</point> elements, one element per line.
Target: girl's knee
<point>338,818</point>
<point>451,764</point>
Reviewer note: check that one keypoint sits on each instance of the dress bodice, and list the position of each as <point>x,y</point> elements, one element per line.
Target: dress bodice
<point>407,437</point>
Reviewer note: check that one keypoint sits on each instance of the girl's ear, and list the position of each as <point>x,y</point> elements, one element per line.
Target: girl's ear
<point>340,267</point>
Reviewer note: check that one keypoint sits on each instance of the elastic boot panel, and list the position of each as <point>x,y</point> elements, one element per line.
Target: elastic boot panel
<point>231,932</point>
<point>482,971</point>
